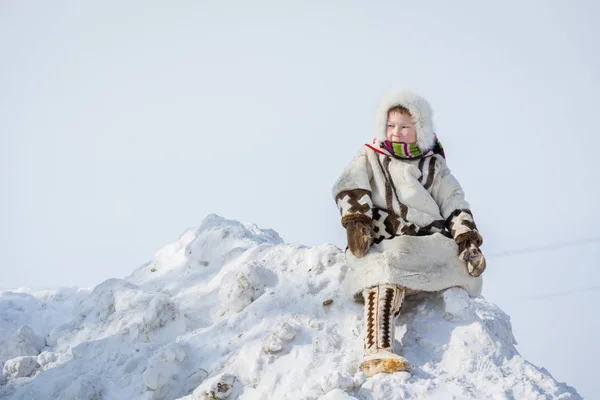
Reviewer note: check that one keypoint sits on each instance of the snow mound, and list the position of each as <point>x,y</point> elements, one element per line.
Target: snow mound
<point>231,311</point>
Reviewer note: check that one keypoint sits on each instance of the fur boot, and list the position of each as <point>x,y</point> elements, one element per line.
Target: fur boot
<point>382,304</point>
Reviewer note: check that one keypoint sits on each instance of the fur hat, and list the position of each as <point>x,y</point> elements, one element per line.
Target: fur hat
<point>420,110</point>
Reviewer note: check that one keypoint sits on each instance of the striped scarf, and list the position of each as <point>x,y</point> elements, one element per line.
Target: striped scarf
<point>410,151</point>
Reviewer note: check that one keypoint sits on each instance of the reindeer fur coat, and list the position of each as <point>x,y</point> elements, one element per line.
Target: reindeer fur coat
<point>416,210</point>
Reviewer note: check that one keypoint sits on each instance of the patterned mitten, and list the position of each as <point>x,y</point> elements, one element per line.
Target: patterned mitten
<point>359,237</point>
<point>472,256</point>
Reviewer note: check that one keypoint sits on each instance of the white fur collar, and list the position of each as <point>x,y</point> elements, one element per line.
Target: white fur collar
<point>418,107</point>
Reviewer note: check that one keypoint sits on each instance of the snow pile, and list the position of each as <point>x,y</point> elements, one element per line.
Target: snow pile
<point>231,311</point>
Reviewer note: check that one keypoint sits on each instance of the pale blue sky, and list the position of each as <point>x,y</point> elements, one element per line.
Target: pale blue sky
<point>124,123</point>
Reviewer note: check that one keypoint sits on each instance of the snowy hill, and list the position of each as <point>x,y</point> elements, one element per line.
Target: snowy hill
<point>231,311</point>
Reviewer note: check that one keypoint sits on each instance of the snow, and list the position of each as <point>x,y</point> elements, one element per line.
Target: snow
<point>20,366</point>
<point>231,311</point>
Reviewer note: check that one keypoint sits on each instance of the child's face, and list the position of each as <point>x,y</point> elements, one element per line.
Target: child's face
<point>400,128</point>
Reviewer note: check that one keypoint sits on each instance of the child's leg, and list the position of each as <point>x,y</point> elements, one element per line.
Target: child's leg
<point>382,304</point>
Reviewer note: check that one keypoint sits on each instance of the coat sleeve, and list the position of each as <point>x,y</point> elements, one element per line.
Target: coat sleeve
<point>352,191</point>
<point>455,210</point>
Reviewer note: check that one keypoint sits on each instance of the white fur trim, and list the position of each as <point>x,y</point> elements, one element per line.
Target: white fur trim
<point>419,109</point>
<point>421,263</point>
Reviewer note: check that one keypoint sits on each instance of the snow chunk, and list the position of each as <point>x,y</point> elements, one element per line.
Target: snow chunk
<point>20,367</point>
<point>101,302</point>
<point>243,286</point>
<point>218,389</point>
<point>337,380</point>
<point>284,331</point>
<point>163,367</point>
<point>359,379</point>
<point>273,342</point>
<point>495,320</point>
<point>456,302</point>
<point>22,342</point>
<point>119,306</point>
<point>159,312</point>
<point>46,359</point>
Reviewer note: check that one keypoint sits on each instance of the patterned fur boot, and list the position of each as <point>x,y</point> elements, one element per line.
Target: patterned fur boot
<point>382,304</point>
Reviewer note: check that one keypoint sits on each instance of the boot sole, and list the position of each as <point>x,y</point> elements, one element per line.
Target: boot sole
<point>386,366</point>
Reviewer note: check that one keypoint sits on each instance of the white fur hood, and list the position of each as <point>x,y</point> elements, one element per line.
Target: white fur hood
<point>418,107</point>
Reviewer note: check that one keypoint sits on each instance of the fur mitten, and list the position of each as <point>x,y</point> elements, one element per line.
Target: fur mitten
<point>470,253</point>
<point>359,237</point>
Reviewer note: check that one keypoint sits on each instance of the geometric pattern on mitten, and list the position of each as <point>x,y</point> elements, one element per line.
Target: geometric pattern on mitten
<point>462,227</point>
<point>355,203</point>
<point>382,305</point>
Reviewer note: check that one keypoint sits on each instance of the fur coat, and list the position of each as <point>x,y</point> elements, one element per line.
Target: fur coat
<point>416,210</point>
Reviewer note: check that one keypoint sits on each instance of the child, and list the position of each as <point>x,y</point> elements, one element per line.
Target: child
<point>408,225</point>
